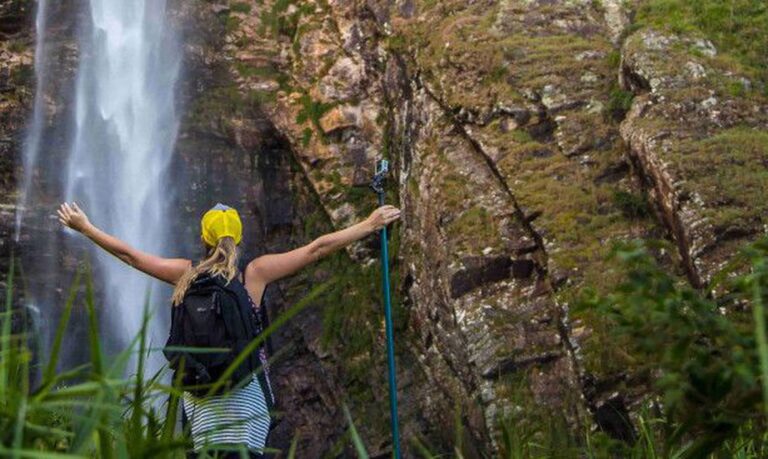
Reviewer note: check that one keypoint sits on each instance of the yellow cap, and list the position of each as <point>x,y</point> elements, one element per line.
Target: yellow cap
<point>221,221</point>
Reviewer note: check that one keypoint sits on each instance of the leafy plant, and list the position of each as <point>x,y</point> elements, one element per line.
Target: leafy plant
<point>704,351</point>
<point>631,205</point>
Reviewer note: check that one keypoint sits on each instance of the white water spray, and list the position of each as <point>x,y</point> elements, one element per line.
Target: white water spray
<point>124,130</point>
<point>34,133</point>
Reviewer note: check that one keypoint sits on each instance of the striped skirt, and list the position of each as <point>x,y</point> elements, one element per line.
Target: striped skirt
<point>239,417</point>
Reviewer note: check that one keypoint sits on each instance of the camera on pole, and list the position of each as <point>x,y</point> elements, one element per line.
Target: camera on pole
<point>380,173</point>
<point>382,168</point>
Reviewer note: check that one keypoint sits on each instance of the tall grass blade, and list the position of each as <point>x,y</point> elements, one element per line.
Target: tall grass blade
<point>104,393</point>
<point>356,440</point>
<point>758,309</point>
<point>137,405</point>
<point>292,448</point>
<point>93,326</point>
<point>422,449</point>
<point>33,454</point>
<point>173,407</point>
<point>5,331</point>
<point>458,431</point>
<point>53,358</point>
<point>18,435</point>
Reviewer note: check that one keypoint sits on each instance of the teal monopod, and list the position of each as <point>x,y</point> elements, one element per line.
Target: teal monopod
<point>382,167</point>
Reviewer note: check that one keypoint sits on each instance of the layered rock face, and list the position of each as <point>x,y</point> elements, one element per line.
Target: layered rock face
<point>517,166</point>
<point>526,136</point>
<point>697,130</point>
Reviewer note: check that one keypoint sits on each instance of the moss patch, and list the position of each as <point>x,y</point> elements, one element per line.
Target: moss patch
<point>737,27</point>
<point>473,230</point>
<point>311,110</point>
<point>280,20</point>
<point>474,65</point>
<point>579,215</point>
<point>729,173</point>
<point>240,7</point>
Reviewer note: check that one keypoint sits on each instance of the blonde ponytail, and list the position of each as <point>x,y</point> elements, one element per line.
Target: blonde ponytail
<point>221,260</point>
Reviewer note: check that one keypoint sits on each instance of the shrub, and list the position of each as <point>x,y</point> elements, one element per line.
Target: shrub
<point>704,351</point>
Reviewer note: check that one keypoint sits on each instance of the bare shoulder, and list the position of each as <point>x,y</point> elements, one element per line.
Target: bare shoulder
<point>255,270</point>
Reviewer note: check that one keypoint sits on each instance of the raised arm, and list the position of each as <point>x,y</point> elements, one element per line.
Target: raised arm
<point>273,266</point>
<point>166,269</point>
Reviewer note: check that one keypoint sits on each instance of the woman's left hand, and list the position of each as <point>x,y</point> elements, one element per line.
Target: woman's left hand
<point>73,217</point>
<point>383,216</point>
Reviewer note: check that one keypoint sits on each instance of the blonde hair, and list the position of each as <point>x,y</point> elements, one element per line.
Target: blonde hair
<point>221,260</point>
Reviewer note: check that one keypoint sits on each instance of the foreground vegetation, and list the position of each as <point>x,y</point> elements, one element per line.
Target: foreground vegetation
<point>707,355</point>
<point>93,410</point>
<point>704,353</point>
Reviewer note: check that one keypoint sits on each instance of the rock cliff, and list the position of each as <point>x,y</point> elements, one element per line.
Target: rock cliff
<point>526,137</point>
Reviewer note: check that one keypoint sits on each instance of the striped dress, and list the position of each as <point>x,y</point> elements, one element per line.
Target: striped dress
<point>238,417</point>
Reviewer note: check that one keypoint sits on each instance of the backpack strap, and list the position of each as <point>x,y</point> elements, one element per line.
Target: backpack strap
<point>242,264</point>
<point>175,357</point>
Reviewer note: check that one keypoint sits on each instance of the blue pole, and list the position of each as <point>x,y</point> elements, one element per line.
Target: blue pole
<point>390,337</point>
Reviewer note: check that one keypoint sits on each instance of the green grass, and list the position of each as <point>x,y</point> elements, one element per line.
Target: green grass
<point>240,7</point>
<point>727,171</point>
<point>95,410</point>
<point>709,356</point>
<point>737,27</point>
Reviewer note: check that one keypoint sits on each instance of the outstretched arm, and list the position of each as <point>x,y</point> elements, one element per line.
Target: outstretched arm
<point>165,269</point>
<point>270,267</point>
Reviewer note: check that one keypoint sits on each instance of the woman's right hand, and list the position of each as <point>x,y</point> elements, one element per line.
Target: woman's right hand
<point>73,217</point>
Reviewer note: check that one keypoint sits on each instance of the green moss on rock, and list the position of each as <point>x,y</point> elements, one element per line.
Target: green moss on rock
<point>473,230</point>
<point>728,173</point>
<point>738,27</point>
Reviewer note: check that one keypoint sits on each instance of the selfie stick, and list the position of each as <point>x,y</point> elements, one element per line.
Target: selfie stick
<point>382,167</point>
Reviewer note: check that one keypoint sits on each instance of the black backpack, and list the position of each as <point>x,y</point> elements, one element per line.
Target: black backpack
<point>213,314</point>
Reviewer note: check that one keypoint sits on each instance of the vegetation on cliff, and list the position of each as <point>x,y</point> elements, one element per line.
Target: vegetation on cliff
<point>739,28</point>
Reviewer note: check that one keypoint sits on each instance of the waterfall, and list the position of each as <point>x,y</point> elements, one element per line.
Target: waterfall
<point>123,131</point>
<point>120,129</point>
<point>34,133</point>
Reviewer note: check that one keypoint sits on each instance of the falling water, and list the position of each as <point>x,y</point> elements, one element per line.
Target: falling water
<point>34,133</point>
<point>124,130</point>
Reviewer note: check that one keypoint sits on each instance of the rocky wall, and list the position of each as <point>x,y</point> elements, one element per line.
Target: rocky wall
<point>527,136</point>
<point>524,146</point>
<point>697,130</point>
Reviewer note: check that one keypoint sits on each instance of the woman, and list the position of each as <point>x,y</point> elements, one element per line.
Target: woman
<point>241,418</point>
